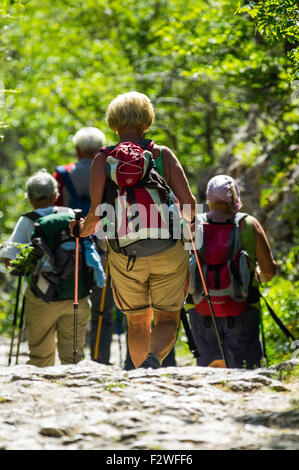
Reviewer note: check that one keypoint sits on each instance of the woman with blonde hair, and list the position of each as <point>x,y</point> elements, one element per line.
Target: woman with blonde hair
<point>156,284</point>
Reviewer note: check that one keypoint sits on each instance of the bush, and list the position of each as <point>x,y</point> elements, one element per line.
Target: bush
<point>282,296</point>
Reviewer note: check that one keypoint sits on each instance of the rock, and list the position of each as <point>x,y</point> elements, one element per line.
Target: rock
<point>91,406</point>
<point>52,430</point>
<point>286,365</point>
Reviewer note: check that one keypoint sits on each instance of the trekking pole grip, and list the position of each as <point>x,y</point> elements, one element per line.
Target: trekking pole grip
<point>78,215</point>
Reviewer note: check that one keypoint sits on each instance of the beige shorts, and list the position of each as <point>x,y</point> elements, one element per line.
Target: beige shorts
<point>158,281</point>
<point>46,323</point>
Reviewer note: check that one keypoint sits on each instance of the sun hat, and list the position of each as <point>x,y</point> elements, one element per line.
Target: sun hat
<point>224,188</point>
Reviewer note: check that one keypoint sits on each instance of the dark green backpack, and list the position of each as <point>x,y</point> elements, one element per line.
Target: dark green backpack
<point>54,276</point>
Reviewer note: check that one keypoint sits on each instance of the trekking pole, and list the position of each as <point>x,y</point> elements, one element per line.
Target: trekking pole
<point>207,295</point>
<point>283,328</point>
<point>118,327</point>
<point>102,304</point>
<point>20,329</point>
<point>76,231</point>
<point>188,332</point>
<point>262,325</point>
<point>14,323</point>
<point>263,339</point>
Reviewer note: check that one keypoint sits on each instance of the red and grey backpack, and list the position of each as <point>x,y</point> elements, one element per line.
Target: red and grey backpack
<point>141,200</point>
<point>225,266</point>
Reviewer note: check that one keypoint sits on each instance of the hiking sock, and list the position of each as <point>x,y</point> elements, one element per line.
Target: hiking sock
<point>150,362</point>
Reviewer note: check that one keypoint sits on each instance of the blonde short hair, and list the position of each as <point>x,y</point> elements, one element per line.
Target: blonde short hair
<point>132,110</point>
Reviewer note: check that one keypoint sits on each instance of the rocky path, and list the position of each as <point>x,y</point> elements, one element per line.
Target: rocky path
<point>89,406</point>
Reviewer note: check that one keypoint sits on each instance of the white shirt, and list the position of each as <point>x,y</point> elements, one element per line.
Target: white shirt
<point>22,234</point>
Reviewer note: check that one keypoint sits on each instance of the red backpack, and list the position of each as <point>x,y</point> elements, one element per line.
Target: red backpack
<point>225,266</point>
<point>141,199</point>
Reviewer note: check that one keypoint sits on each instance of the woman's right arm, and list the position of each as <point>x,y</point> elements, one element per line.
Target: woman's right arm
<point>96,188</point>
<point>266,263</point>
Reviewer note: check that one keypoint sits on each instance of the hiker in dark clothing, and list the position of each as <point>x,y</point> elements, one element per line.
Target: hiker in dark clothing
<point>160,281</point>
<point>73,186</point>
<point>45,321</point>
<point>238,321</point>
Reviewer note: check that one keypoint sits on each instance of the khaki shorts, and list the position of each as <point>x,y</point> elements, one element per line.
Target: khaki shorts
<point>47,322</point>
<point>157,281</point>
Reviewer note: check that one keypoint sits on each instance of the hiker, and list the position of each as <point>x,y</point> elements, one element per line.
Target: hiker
<point>73,186</point>
<point>168,361</point>
<point>73,178</point>
<point>45,319</point>
<point>230,279</point>
<point>152,277</point>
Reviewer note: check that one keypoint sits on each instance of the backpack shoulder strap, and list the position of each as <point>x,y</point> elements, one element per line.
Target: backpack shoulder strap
<point>235,240</point>
<point>67,181</point>
<point>202,217</point>
<point>62,209</point>
<point>33,215</point>
<point>108,150</point>
<point>238,217</point>
<point>146,144</point>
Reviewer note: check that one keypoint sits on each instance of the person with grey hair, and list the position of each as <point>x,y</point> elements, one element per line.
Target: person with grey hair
<point>41,186</point>
<point>73,178</point>
<point>45,320</point>
<point>41,190</point>
<point>73,183</point>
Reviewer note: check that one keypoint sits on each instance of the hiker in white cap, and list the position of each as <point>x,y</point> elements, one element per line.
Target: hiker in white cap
<point>235,250</point>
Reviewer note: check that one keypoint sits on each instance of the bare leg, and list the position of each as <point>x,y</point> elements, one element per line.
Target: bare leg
<point>139,330</point>
<point>164,333</point>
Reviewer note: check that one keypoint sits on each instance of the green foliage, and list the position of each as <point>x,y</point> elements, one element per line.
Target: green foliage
<point>204,68</point>
<point>282,296</point>
<point>182,350</point>
<point>277,21</point>
<point>25,262</point>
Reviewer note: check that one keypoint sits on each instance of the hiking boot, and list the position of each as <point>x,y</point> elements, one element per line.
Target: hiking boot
<point>150,362</point>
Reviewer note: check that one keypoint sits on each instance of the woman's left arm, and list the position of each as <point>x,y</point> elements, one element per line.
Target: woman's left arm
<point>264,255</point>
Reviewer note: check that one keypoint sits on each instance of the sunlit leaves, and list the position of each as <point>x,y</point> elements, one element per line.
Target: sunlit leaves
<point>277,21</point>
<point>200,64</point>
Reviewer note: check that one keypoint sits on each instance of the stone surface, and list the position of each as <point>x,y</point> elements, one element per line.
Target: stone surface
<point>90,406</point>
